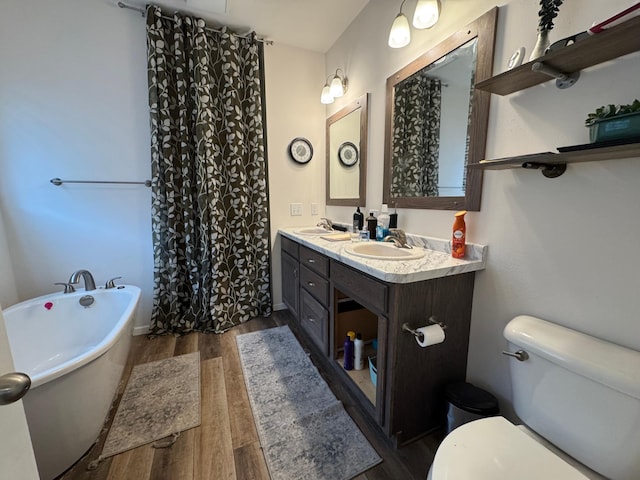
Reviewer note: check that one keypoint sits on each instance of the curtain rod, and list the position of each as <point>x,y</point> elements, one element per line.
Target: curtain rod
<point>143,13</point>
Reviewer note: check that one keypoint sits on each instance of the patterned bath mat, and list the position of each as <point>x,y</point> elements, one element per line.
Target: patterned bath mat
<point>161,399</point>
<point>305,433</point>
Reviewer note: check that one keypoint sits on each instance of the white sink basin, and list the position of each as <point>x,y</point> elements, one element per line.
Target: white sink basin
<point>384,251</point>
<point>314,231</point>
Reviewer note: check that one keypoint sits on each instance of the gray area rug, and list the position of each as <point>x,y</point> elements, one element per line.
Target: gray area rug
<point>305,433</point>
<point>161,399</point>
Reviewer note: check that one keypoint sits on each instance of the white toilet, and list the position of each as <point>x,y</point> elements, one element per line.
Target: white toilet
<point>579,400</point>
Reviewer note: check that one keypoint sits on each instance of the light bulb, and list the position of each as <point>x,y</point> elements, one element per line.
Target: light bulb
<point>400,34</point>
<point>426,14</point>
<point>337,88</point>
<point>325,96</point>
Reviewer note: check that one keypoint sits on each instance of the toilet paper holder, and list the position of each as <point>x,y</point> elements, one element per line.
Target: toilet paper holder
<point>419,335</point>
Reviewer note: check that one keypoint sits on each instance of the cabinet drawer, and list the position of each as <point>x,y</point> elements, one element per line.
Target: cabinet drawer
<point>315,285</point>
<point>289,246</point>
<point>314,320</point>
<point>314,260</point>
<point>366,290</point>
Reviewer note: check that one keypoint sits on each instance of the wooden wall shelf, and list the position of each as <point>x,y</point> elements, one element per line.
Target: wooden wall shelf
<point>554,164</point>
<point>601,47</point>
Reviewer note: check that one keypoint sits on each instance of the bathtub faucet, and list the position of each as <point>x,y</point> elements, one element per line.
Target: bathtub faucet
<point>89,283</point>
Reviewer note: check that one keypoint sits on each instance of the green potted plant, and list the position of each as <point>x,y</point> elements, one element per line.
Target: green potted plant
<point>614,122</point>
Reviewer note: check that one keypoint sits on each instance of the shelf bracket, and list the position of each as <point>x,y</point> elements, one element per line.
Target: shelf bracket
<point>563,80</point>
<point>549,170</point>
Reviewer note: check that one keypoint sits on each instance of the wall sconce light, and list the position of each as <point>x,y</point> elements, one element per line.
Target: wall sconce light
<point>426,15</point>
<point>400,34</point>
<point>334,88</point>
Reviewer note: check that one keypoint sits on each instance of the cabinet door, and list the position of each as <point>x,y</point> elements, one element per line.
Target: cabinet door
<point>290,283</point>
<point>314,319</point>
<point>417,376</point>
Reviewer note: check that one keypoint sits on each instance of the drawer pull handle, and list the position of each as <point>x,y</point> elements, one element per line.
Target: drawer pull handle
<point>312,320</point>
<point>311,284</point>
<point>311,260</point>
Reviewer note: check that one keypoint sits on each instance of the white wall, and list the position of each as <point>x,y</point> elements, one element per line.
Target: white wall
<point>73,104</point>
<point>562,249</point>
<point>453,137</point>
<point>293,79</point>
<point>8,292</point>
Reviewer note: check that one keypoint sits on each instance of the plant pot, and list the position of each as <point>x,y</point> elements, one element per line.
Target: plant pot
<point>615,128</point>
<point>542,43</point>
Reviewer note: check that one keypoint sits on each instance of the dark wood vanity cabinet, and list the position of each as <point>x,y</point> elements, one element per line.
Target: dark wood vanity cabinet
<point>416,376</point>
<point>409,399</point>
<point>290,274</point>
<point>305,290</point>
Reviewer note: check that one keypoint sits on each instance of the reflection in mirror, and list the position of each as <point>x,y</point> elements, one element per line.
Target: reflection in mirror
<point>347,154</point>
<point>431,113</point>
<point>436,122</point>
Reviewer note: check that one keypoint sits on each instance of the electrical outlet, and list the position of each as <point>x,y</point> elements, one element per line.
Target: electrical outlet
<point>314,209</point>
<point>296,209</point>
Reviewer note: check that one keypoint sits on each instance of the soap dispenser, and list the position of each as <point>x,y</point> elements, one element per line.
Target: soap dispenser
<point>372,223</point>
<point>393,219</point>
<point>382,229</point>
<point>358,220</point>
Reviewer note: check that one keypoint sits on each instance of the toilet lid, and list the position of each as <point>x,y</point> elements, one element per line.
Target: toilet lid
<point>493,448</point>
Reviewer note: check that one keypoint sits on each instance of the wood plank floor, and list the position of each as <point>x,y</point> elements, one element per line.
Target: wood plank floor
<point>226,445</point>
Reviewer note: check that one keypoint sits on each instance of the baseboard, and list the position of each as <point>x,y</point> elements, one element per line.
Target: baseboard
<point>144,329</point>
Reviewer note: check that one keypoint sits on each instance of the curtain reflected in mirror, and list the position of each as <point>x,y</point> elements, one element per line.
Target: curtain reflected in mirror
<point>436,122</point>
<point>416,137</point>
<point>431,118</point>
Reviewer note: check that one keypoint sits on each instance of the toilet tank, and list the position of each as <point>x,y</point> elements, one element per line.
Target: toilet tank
<point>580,393</point>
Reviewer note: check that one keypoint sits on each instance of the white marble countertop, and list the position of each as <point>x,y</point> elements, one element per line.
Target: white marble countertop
<point>436,263</point>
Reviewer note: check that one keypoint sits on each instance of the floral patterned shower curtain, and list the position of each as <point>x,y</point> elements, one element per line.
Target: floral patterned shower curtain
<point>416,137</point>
<point>210,213</point>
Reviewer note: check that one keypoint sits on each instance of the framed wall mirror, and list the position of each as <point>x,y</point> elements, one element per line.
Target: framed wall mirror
<point>347,154</point>
<point>436,122</point>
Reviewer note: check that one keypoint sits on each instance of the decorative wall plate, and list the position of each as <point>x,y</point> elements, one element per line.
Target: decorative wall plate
<point>516,59</point>
<point>348,154</point>
<point>300,150</point>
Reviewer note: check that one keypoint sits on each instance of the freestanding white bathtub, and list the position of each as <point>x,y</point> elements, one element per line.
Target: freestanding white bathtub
<point>75,357</point>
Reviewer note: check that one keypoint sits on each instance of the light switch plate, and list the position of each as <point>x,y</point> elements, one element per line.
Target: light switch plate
<point>314,209</point>
<point>296,209</point>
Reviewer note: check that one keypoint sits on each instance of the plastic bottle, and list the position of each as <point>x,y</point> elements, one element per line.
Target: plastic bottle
<point>393,219</point>
<point>348,353</point>
<point>358,352</point>
<point>458,241</point>
<point>382,229</point>
<point>358,220</point>
<point>372,223</point>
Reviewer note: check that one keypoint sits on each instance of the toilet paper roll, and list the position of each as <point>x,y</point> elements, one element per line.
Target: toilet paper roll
<point>431,335</point>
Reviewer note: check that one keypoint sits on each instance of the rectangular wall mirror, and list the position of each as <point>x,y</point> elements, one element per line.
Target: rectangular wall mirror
<point>347,131</point>
<point>436,122</point>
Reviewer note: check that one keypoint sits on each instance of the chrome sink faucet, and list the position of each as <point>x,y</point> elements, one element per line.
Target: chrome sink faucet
<point>89,282</point>
<point>398,238</point>
<point>325,223</point>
